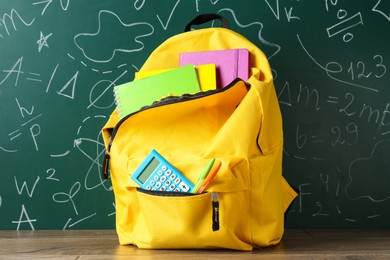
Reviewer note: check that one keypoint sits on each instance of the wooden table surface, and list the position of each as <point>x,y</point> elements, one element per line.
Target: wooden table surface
<point>103,244</point>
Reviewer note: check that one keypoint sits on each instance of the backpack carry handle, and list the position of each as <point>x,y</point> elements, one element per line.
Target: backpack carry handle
<point>204,18</point>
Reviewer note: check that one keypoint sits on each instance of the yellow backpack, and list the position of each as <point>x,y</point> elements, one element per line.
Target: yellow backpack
<point>239,125</point>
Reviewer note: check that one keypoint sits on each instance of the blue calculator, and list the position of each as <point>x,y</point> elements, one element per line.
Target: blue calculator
<point>157,174</point>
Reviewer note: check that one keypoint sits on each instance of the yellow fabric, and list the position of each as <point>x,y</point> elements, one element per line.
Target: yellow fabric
<point>240,128</point>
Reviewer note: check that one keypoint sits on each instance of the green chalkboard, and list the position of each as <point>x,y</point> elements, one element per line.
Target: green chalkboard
<point>59,61</point>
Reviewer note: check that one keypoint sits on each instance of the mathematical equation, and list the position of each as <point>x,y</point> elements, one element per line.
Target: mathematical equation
<point>342,132</point>
<point>56,82</point>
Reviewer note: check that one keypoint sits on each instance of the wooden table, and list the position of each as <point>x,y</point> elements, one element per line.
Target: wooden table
<point>103,244</point>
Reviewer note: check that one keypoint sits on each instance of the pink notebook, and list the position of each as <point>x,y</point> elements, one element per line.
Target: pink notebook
<point>230,64</point>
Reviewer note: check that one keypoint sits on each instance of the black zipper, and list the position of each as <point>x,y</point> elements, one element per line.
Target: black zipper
<point>166,193</point>
<point>163,102</point>
<point>214,202</point>
<point>215,208</point>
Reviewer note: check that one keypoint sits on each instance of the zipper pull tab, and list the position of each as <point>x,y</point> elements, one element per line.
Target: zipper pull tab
<point>106,163</point>
<point>215,205</point>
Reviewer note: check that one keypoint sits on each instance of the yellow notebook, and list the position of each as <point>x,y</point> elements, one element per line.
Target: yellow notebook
<point>132,96</point>
<point>206,75</point>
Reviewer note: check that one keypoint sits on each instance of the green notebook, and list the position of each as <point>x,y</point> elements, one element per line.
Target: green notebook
<point>131,96</point>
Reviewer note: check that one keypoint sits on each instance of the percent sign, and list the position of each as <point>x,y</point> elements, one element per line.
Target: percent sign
<point>344,25</point>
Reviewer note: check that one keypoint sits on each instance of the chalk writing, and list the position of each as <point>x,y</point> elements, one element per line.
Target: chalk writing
<point>93,174</point>
<point>24,218</point>
<point>60,60</point>
<point>344,25</point>
<point>71,85</point>
<point>274,9</point>
<point>359,69</point>
<point>110,214</point>
<point>274,6</point>
<point>337,68</point>
<point>351,129</point>
<point>34,130</point>
<point>47,2</point>
<point>13,70</point>
<point>24,187</point>
<point>378,8</point>
<point>42,42</point>
<point>289,14</point>
<point>108,86</point>
<point>64,4</point>
<point>69,225</point>
<point>123,47</point>
<point>34,77</point>
<point>165,25</point>
<point>311,95</point>
<point>138,4</point>
<point>7,150</point>
<point>375,184</point>
<point>11,18</point>
<point>259,33</point>
<point>63,197</point>
<point>60,155</point>
<point>51,173</point>
<point>325,181</point>
<point>302,194</point>
<point>320,210</point>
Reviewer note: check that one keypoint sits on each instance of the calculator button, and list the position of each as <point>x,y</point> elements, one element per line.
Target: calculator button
<point>164,168</point>
<point>152,182</point>
<point>155,178</point>
<point>167,183</point>
<point>163,178</point>
<point>148,187</point>
<point>177,180</point>
<point>184,187</point>
<point>168,172</point>
<point>153,189</point>
<point>160,172</point>
<point>158,184</point>
<point>173,176</point>
<point>177,190</point>
<point>163,188</point>
<point>172,186</point>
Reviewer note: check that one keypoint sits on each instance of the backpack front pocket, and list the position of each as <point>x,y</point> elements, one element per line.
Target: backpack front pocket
<point>184,220</point>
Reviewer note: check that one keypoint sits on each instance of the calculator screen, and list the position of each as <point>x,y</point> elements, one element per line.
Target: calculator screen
<point>154,163</point>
